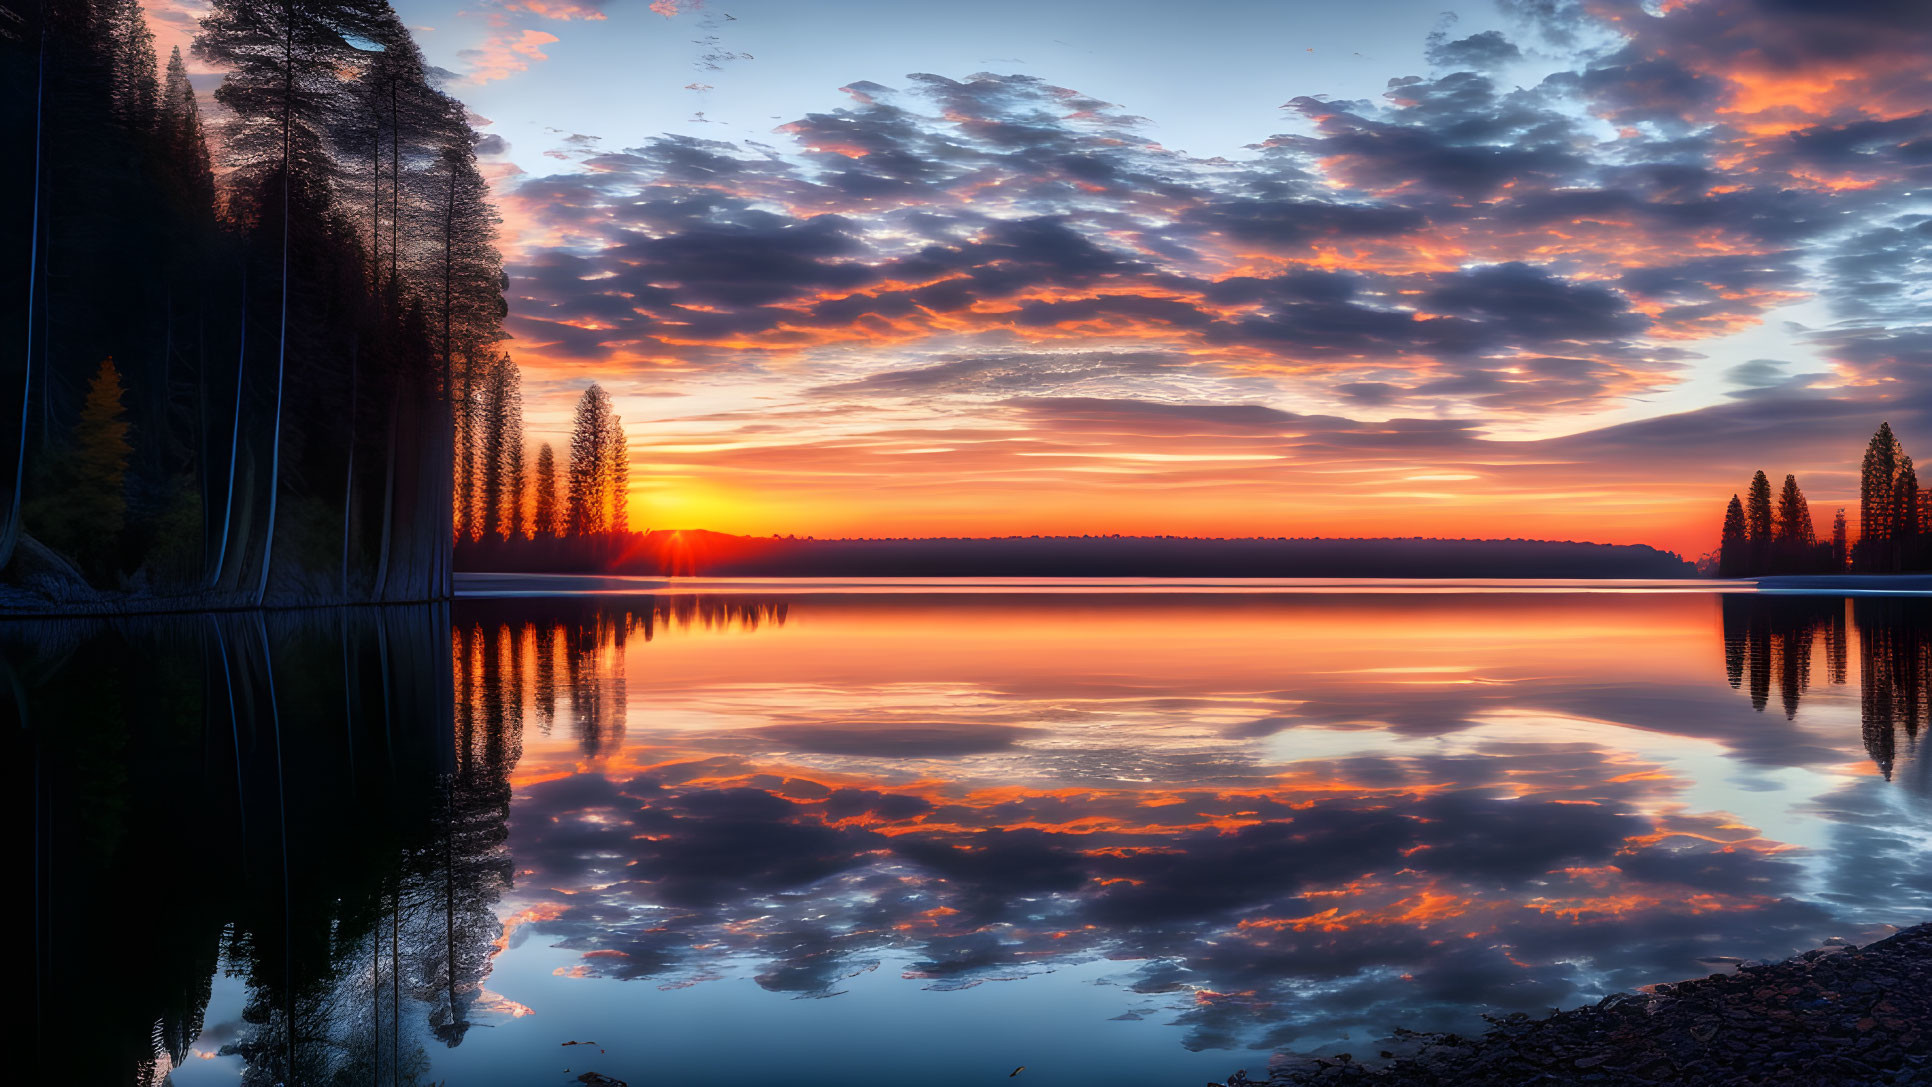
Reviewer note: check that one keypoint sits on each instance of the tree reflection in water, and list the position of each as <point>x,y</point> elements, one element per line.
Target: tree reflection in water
<point>312,801</point>
<point>284,798</point>
<point>1770,640</point>
<point>319,806</point>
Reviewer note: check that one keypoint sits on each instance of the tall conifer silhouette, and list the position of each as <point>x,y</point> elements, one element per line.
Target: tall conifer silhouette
<point>545,523</point>
<point>1734,548</point>
<point>1758,521</point>
<point>1877,501</point>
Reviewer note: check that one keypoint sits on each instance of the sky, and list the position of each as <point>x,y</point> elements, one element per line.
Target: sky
<point>1530,268</point>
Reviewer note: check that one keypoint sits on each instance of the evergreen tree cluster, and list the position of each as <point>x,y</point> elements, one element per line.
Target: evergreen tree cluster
<point>1894,515</point>
<point>1761,535</point>
<point>254,329</point>
<point>505,509</point>
<point>1766,536</point>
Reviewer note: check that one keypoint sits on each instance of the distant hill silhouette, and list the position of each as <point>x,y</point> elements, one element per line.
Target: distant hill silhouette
<point>716,554</point>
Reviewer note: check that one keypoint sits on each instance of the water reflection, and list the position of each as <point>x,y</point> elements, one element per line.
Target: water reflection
<point>1256,822</point>
<point>1767,637</point>
<point>282,803</point>
<point>1771,640</point>
<point>1285,820</point>
<point>501,648</point>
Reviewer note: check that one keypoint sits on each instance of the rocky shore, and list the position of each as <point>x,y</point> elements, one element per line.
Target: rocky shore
<point>1835,1016</point>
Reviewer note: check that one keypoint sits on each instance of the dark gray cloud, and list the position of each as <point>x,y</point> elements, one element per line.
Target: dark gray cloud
<point>1477,52</point>
<point>1009,374</point>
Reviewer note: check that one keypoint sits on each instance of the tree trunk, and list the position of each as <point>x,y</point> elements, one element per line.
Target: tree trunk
<point>202,452</point>
<point>349,474</point>
<point>375,211</point>
<point>395,183</point>
<point>449,360</point>
<point>281,348</point>
<point>234,730</point>
<point>388,505</point>
<point>218,574</point>
<point>10,530</point>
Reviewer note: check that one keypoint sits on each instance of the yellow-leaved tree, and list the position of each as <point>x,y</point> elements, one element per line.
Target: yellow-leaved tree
<point>84,509</point>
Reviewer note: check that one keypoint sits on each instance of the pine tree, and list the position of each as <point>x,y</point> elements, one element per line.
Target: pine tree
<point>544,523</point>
<point>500,452</point>
<point>620,478</point>
<point>101,452</point>
<point>389,123</point>
<point>465,502</point>
<point>464,284</point>
<point>1757,522</point>
<point>516,520</point>
<point>1877,497</point>
<point>184,148</point>
<point>514,484</point>
<point>1923,561</point>
<point>1794,525</point>
<point>87,512</point>
<point>283,63</point>
<point>131,50</point>
<point>1795,537</point>
<point>1733,549</point>
<point>588,510</point>
<point>1905,507</point>
<point>490,452</point>
<point>1840,543</point>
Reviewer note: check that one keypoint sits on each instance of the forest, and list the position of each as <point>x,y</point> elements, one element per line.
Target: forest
<point>1763,536</point>
<point>255,325</point>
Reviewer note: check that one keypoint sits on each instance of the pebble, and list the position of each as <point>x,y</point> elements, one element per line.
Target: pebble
<point>1837,1016</point>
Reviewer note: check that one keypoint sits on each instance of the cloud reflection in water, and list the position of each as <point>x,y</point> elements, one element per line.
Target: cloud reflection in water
<point>1286,818</point>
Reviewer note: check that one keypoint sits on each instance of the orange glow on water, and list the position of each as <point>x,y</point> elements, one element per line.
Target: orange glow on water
<point>1412,780</point>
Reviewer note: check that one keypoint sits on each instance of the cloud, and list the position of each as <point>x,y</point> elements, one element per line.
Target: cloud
<point>1757,373</point>
<point>560,10</point>
<point>507,51</point>
<point>1503,262</point>
<point>1477,52</point>
<point>1023,216</point>
<point>1011,374</point>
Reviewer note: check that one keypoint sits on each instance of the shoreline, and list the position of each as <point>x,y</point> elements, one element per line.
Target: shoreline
<point>1847,584</point>
<point>16,603</point>
<point>483,585</point>
<point>1833,1015</point>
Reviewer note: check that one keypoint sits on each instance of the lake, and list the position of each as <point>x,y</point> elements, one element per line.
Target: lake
<point>855,833</point>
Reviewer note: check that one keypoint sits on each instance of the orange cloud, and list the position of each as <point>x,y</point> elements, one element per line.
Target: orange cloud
<point>560,10</point>
<point>507,51</point>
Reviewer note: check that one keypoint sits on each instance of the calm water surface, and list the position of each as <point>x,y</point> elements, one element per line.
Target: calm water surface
<point>854,837</point>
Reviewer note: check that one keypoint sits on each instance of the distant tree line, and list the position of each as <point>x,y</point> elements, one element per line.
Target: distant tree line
<point>1761,536</point>
<point>697,552</point>
<point>250,343</point>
